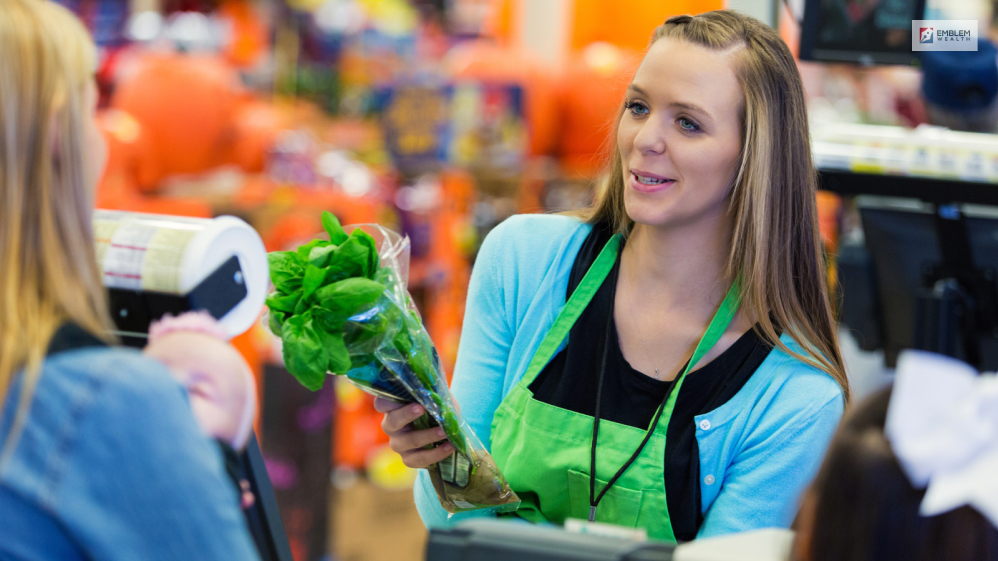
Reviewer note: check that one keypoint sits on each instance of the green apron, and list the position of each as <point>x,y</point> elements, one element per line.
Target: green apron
<point>545,451</point>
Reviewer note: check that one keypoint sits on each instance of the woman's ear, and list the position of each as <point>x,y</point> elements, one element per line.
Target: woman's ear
<point>804,526</point>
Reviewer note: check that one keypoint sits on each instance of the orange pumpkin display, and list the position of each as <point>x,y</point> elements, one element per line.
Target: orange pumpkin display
<point>186,105</point>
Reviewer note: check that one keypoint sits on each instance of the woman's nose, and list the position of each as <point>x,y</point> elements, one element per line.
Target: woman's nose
<point>650,138</point>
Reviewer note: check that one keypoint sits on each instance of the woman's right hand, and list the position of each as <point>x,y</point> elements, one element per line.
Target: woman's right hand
<point>405,440</point>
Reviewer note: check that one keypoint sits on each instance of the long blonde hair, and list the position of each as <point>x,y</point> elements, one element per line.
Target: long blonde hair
<point>775,243</point>
<point>48,269</point>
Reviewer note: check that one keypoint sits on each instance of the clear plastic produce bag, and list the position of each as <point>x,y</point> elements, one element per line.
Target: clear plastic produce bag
<point>342,307</point>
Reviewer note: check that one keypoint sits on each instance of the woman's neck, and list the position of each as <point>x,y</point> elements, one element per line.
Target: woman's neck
<point>678,266</point>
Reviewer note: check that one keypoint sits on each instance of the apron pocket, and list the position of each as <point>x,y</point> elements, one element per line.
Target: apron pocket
<point>618,506</point>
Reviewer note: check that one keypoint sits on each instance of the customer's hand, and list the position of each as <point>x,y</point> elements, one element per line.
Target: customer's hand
<point>218,381</point>
<point>404,439</point>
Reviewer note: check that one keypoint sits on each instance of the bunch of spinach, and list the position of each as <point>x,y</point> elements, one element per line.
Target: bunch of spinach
<point>338,310</point>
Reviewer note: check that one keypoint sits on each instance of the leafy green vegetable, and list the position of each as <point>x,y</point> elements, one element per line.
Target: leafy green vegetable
<point>300,307</point>
<point>339,357</point>
<point>365,336</point>
<point>347,296</point>
<point>276,322</point>
<point>304,354</point>
<point>328,320</point>
<point>339,310</point>
<point>286,270</point>
<point>332,227</point>
<point>347,261</point>
<point>319,256</point>
<point>284,302</point>
<point>306,249</point>
<point>314,278</point>
<point>372,251</point>
<point>336,309</point>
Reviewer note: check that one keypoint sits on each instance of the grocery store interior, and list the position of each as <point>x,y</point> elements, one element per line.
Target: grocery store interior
<point>440,119</point>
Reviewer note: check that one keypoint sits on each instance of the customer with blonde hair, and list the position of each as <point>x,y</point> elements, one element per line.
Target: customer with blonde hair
<point>100,456</point>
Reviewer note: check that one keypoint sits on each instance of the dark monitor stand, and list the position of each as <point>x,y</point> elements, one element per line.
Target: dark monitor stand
<point>221,291</point>
<point>934,273</point>
<point>935,281</point>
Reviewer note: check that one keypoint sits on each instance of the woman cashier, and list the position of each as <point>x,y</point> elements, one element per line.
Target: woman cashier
<point>666,359</point>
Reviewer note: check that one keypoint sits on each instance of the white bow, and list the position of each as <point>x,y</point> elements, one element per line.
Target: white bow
<point>943,426</point>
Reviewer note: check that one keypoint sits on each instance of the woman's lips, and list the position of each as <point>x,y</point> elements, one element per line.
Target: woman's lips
<point>658,183</point>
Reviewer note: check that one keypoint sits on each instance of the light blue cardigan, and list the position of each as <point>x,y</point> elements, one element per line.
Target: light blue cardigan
<point>757,451</point>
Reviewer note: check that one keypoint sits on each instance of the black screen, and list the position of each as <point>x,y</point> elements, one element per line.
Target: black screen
<point>863,31</point>
<point>902,245</point>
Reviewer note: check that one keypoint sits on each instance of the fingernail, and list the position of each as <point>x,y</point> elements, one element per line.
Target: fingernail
<point>449,447</point>
<point>417,409</point>
<point>441,433</point>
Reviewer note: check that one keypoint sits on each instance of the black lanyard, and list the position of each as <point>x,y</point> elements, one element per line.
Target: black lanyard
<point>594,499</point>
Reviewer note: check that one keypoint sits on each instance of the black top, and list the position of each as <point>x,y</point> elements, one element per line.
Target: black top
<point>70,337</point>
<point>630,397</point>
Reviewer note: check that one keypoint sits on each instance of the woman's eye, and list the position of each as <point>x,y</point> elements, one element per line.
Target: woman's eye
<point>688,124</point>
<point>636,108</point>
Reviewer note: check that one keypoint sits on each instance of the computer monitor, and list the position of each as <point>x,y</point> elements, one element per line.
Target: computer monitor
<point>905,252</point>
<point>859,31</point>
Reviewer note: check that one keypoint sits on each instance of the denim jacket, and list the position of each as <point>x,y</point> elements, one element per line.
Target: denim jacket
<point>112,465</point>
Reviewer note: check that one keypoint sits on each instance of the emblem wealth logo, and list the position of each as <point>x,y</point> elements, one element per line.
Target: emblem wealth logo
<point>943,35</point>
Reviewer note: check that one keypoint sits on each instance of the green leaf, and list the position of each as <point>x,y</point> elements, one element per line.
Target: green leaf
<point>332,226</point>
<point>403,343</point>
<point>361,335</point>
<point>339,357</point>
<point>286,270</point>
<point>313,280</point>
<point>387,277</point>
<point>372,251</point>
<point>348,296</point>
<point>284,302</point>
<point>347,261</point>
<point>319,256</point>
<point>305,355</point>
<point>301,306</point>
<point>276,322</point>
<point>303,251</point>
<point>327,320</point>
<point>360,332</point>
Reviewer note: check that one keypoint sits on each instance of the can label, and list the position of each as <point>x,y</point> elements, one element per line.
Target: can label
<point>455,470</point>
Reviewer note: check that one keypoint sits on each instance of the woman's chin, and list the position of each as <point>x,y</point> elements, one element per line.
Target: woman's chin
<point>645,218</point>
<point>656,215</point>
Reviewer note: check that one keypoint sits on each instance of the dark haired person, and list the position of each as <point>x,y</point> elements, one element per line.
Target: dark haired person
<point>960,88</point>
<point>912,473</point>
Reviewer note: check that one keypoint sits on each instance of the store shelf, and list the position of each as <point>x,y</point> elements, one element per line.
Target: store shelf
<point>931,190</point>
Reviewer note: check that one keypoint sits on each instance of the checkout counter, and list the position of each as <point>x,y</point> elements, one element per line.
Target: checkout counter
<point>495,540</point>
